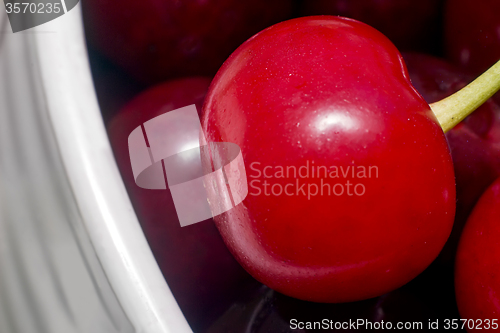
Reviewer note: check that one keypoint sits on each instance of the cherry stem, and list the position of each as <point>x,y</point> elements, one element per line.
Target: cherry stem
<point>453,109</point>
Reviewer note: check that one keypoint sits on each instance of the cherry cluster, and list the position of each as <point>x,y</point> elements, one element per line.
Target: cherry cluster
<point>300,82</point>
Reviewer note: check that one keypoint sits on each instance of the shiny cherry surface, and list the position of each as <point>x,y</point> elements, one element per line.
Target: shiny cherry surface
<point>329,91</point>
<point>477,281</point>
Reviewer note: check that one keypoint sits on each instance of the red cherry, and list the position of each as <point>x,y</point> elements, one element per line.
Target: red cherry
<point>329,91</point>
<point>411,25</point>
<point>159,39</point>
<point>200,271</point>
<point>472,33</point>
<point>477,282</point>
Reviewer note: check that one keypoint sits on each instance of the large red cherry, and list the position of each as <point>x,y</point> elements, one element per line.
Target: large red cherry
<point>351,183</point>
<point>159,39</point>
<point>477,273</point>
<point>200,271</point>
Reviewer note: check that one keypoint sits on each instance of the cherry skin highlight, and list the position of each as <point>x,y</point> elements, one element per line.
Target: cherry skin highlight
<point>476,270</point>
<point>331,92</point>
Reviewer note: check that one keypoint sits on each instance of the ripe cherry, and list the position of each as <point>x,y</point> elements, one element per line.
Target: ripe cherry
<point>476,269</point>
<point>332,93</point>
<point>156,40</point>
<point>200,271</point>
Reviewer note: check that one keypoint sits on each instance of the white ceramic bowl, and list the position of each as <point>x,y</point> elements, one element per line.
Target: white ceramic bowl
<point>73,257</point>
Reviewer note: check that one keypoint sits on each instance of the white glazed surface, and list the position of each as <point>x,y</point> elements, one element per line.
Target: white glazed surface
<point>73,257</point>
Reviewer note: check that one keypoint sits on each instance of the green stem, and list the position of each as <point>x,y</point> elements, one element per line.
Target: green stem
<point>453,109</point>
